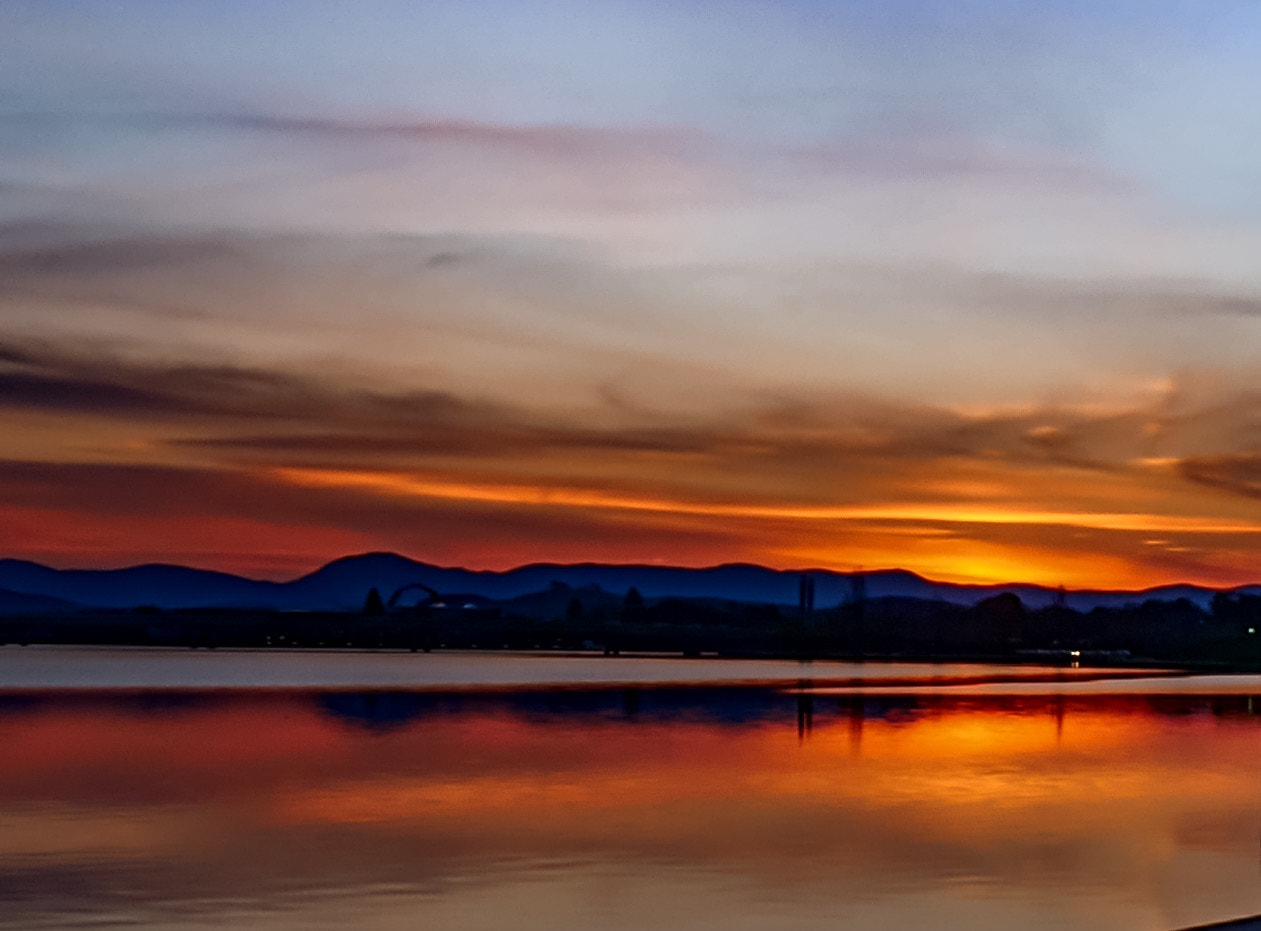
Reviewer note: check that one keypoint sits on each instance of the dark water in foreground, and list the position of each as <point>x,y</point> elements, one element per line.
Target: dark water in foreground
<point>1047,805</point>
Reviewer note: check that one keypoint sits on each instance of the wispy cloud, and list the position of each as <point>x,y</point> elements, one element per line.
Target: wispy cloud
<point>1238,474</point>
<point>43,378</point>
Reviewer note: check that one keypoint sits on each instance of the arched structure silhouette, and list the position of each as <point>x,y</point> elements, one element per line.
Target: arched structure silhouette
<point>433,599</point>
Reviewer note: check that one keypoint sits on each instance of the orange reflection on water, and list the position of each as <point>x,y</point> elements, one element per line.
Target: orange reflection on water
<point>851,795</point>
<point>278,737</point>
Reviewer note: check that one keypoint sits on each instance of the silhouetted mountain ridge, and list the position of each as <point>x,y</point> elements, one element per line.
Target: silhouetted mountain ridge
<point>157,584</point>
<point>343,583</point>
<point>21,603</point>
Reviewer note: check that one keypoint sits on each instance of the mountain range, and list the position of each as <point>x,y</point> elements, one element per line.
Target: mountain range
<point>31,588</point>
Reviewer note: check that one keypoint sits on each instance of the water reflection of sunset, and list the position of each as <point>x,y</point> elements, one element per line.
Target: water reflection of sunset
<point>1041,789</point>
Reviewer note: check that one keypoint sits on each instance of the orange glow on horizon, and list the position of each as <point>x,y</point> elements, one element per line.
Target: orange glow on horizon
<point>893,542</point>
<point>279,523</point>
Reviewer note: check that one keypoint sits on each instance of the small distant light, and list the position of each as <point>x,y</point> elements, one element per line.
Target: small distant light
<point>1074,653</point>
<point>1252,630</point>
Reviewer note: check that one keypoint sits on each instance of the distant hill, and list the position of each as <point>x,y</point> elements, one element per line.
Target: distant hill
<point>158,585</point>
<point>343,584</point>
<point>21,603</point>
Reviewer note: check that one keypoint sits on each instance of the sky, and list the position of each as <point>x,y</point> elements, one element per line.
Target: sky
<point>966,288</point>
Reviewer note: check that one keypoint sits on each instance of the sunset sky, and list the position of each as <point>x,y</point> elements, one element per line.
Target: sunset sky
<point>969,288</point>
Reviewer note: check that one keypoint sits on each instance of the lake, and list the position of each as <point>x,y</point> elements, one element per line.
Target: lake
<point>153,789</point>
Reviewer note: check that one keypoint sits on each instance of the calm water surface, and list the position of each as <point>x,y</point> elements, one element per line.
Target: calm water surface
<point>311,796</point>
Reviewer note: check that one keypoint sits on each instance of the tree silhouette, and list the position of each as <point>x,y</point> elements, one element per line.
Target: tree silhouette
<point>373,606</point>
<point>999,619</point>
<point>633,606</point>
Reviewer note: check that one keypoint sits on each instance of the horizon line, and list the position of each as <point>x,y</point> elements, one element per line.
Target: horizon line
<point>858,571</point>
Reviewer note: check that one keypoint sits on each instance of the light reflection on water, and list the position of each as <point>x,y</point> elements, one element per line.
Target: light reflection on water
<point>629,808</point>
